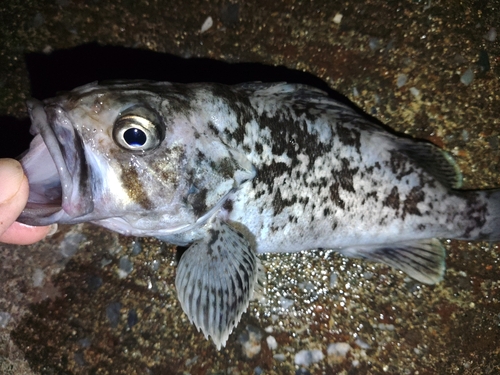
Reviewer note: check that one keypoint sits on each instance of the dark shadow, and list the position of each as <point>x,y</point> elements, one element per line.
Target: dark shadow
<point>15,137</point>
<point>66,69</point>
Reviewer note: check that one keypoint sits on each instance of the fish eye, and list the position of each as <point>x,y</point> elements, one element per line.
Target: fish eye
<point>138,129</point>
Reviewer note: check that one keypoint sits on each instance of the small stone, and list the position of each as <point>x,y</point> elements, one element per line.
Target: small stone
<point>338,18</point>
<point>207,24</point>
<point>191,361</point>
<point>362,344</point>
<point>85,342</point>
<point>132,318</point>
<point>4,319</point>
<point>280,357</point>
<point>113,313</point>
<point>125,267</point>
<point>484,61</point>
<point>271,342</point>
<point>250,341</point>
<point>401,80</point>
<point>333,280</point>
<point>48,49</point>
<point>339,349</point>
<point>467,77</point>
<point>80,358</point>
<point>491,35</point>
<point>38,20</point>
<point>136,247</point>
<point>374,44</point>
<point>386,327</point>
<point>286,303</point>
<point>337,352</point>
<point>94,282</point>
<point>415,92</point>
<point>38,277</point>
<point>308,357</point>
<point>368,275</point>
<point>69,245</point>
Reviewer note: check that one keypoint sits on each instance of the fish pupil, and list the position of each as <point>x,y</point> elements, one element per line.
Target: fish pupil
<point>135,137</point>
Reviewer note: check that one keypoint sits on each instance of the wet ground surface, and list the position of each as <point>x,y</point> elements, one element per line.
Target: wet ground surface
<point>87,301</point>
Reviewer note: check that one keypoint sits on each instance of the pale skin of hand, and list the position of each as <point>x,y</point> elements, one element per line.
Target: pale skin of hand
<point>14,192</point>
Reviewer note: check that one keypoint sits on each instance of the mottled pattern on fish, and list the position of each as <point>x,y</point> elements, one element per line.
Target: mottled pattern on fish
<point>235,170</point>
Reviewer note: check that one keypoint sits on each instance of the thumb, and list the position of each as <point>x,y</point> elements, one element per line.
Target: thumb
<point>14,192</point>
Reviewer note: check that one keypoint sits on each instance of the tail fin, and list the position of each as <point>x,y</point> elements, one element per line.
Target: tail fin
<point>484,210</point>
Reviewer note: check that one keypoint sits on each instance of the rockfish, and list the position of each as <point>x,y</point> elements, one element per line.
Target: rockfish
<point>233,171</point>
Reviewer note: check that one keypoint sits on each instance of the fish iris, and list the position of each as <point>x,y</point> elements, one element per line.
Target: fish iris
<point>135,137</point>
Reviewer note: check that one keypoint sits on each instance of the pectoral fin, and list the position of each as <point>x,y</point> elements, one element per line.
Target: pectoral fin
<point>215,281</point>
<point>423,260</point>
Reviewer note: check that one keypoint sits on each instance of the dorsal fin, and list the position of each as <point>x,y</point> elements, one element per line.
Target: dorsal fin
<point>438,163</point>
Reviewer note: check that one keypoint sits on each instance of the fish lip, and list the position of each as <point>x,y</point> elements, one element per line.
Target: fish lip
<point>56,167</point>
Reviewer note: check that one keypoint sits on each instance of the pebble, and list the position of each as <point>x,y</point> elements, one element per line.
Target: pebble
<point>85,342</point>
<point>207,24</point>
<point>38,20</point>
<point>386,327</point>
<point>339,349</point>
<point>132,318</point>
<point>362,344</point>
<point>286,303</point>
<point>38,277</point>
<point>374,44</point>
<point>69,245</point>
<point>280,357</point>
<point>308,357</point>
<point>113,313</point>
<point>467,77</point>
<point>191,361</point>
<point>401,80</point>
<point>491,35</point>
<point>338,18</point>
<point>250,341</point>
<point>271,342</point>
<point>125,267</point>
<point>4,319</point>
<point>484,61</point>
<point>80,358</point>
<point>94,282</point>
<point>136,247</point>
<point>415,92</point>
<point>333,280</point>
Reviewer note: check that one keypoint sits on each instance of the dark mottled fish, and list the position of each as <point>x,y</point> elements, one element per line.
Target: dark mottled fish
<point>234,171</point>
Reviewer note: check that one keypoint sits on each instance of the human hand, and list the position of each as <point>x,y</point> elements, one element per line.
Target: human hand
<point>14,190</point>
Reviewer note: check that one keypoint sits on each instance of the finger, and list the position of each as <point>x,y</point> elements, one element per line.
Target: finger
<point>22,234</point>
<point>14,192</point>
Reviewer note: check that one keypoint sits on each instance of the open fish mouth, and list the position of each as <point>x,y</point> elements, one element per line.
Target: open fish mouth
<point>56,167</point>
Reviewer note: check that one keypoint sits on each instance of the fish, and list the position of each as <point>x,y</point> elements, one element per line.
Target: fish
<point>231,172</point>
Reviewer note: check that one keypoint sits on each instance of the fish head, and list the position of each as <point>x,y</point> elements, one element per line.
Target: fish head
<point>136,157</point>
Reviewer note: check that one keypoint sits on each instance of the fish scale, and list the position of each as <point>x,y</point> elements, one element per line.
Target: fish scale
<point>233,171</point>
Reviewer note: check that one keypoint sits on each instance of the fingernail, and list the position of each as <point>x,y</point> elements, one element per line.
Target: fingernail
<point>11,177</point>
<point>52,230</point>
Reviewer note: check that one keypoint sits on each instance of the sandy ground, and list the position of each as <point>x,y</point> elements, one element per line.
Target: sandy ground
<point>87,301</point>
